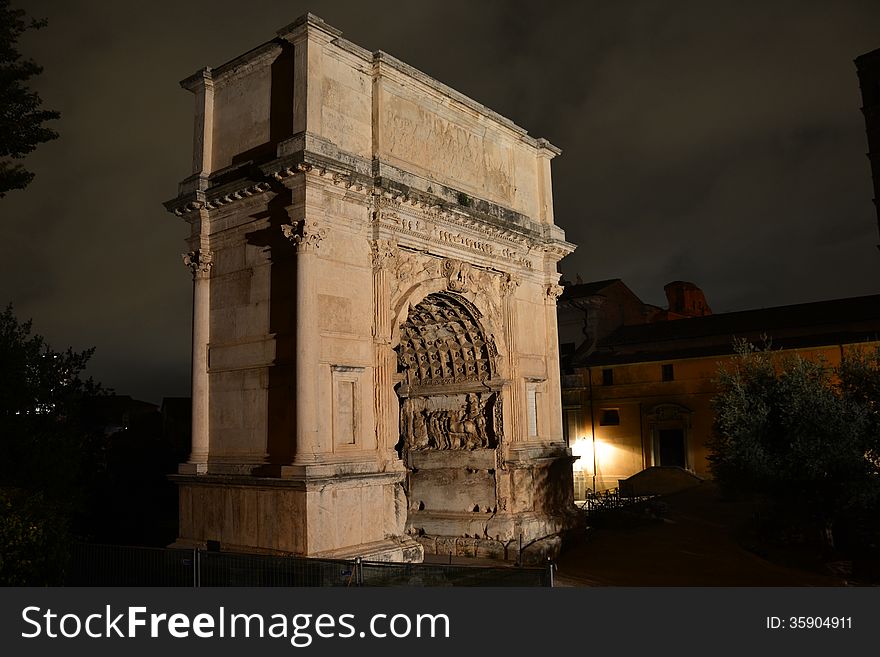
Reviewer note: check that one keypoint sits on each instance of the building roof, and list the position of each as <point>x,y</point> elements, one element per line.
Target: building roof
<point>580,290</point>
<point>872,55</point>
<point>839,321</point>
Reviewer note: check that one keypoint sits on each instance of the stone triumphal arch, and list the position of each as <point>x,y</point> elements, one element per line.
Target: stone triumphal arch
<point>375,366</point>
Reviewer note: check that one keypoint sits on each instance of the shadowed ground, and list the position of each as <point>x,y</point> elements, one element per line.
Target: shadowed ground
<point>693,544</point>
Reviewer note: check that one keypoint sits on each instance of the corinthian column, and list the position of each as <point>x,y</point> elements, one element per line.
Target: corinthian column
<point>199,263</point>
<point>554,389</point>
<point>306,237</point>
<point>513,402</point>
<point>384,254</point>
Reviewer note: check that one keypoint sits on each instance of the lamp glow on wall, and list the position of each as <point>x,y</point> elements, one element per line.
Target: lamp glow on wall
<point>582,449</point>
<point>585,447</point>
<point>597,454</point>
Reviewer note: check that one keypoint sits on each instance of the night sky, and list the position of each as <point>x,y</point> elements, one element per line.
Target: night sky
<point>719,143</point>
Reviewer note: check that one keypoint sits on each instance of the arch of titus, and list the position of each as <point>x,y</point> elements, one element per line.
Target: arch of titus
<point>375,367</point>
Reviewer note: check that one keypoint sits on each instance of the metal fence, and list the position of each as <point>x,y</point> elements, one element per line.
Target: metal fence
<point>600,503</point>
<point>115,565</point>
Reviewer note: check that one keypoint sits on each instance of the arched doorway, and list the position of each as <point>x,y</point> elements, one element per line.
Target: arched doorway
<point>450,414</point>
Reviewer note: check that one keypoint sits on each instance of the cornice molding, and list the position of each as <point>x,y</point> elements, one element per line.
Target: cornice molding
<point>394,206</point>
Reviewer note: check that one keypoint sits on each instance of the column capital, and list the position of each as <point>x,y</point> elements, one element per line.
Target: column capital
<point>305,234</point>
<point>553,292</point>
<point>384,253</point>
<point>508,284</point>
<point>200,262</point>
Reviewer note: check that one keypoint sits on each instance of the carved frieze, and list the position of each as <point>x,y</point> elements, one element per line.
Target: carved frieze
<point>463,240</point>
<point>515,257</point>
<point>401,223</point>
<point>450,422</point>
<point>435,224</point>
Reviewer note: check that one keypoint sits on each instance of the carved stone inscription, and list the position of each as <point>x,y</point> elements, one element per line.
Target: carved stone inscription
<point>422,137</point>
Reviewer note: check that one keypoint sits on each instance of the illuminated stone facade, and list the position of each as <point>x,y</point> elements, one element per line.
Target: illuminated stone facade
<point>375,365</point>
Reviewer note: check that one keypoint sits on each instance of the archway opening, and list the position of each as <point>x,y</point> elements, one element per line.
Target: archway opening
<point>450,411</point>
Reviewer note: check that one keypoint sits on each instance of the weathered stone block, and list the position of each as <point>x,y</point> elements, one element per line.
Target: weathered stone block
<point>466,547</point>
<point>445,545</point>
<point>489,549</point>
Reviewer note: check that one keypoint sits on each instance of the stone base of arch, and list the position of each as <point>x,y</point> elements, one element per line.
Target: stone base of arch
<point>320,513</point>
<point>522,519</point>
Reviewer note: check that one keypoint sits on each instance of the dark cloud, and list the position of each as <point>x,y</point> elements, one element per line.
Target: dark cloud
<point>715,142</point>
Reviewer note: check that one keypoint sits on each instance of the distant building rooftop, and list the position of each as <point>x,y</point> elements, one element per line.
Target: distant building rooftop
<point>580,290</point>
<point>839,321</point>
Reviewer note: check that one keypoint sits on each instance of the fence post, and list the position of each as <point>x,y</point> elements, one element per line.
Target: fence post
<point>197,567</point>
<point>550,566</point>
<point>359,571</point>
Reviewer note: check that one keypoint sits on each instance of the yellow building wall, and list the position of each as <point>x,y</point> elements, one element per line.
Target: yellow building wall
<point>610,453</point>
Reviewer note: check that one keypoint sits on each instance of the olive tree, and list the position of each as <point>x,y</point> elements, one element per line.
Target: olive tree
<point>799,436</point>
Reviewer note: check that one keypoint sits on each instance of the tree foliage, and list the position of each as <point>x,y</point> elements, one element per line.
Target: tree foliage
<point>33,538</point>
<point>22,118</point>
<point>49,456</point>
<point>799,435</point>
